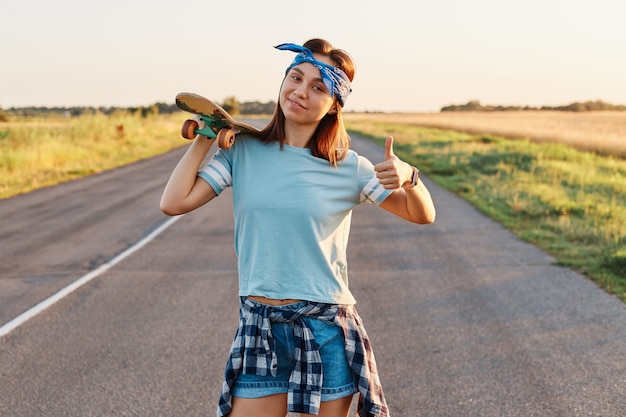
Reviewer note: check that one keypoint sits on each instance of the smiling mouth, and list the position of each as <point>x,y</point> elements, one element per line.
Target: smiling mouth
<point>296,104</point>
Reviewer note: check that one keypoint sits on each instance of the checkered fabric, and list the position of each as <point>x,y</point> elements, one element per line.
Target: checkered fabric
<point>251,353</point>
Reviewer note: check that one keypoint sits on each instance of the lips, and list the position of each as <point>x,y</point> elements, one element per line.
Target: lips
<point>296,104</point>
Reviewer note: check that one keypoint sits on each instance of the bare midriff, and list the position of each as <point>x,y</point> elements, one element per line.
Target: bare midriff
<point>272,301</point>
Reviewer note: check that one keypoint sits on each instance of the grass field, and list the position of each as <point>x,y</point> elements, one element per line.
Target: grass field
<point>599,131</point>
<point>36,153</point>
<point>568,202</point>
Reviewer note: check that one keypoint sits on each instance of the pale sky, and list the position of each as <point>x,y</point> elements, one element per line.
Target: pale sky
<point>411,55</point>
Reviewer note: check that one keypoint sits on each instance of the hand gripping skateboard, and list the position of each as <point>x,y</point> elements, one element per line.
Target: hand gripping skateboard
<point>219,124</point>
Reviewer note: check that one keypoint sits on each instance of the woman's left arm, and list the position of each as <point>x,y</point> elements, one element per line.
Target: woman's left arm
<point>410,203</point>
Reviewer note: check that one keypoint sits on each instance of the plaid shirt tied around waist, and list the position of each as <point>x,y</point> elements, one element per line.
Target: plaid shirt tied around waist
<point>251,354</point>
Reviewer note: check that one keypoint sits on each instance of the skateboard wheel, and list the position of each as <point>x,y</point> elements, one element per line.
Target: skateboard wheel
<point>188,130</point>
<point>225,138</point>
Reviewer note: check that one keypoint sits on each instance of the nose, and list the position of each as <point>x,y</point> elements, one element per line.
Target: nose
<point>300,90</point>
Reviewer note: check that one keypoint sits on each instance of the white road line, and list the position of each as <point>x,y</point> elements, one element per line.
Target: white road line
<point>54,298</point>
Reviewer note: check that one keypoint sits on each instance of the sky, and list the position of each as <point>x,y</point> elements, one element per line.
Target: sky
<point>411,55</point>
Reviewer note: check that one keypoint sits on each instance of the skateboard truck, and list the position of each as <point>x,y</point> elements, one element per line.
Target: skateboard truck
<point>216,128</point>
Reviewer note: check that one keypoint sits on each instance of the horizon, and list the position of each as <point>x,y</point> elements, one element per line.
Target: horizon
<point>409,57</point>
<point>485,107</point>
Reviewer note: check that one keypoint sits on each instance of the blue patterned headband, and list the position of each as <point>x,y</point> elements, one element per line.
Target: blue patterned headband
<point>336,81</point>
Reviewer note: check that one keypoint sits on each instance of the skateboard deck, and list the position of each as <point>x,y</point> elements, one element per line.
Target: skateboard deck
<point>219,124</point>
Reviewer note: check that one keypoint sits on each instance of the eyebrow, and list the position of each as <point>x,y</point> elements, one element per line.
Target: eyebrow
<point>299,71</point>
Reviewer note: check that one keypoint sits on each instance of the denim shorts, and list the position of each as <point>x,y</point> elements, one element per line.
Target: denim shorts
<point>338,381</point>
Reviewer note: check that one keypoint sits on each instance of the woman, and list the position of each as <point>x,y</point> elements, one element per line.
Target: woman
<point>300,345</point>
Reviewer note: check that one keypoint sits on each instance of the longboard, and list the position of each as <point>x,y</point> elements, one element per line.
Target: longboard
<point>219,124</point>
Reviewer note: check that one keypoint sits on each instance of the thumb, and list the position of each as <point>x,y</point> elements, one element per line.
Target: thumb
<point>389,147</point>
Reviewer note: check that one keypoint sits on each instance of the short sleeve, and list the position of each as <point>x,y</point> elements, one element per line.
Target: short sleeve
<point>371,189</point>
<point>218,172</point>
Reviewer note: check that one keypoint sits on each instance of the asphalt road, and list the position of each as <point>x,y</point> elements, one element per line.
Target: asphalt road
<point>466,320</point>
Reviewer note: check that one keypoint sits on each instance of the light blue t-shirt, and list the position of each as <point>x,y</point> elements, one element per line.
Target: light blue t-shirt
<point>292,217</point>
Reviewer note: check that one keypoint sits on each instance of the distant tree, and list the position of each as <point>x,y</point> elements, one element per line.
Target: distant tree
<point>472,105</point>
<point>231,105</point>
<point>256,107</point>
<point>145,111</point>
<point>165,108</point>
<point>574,107</point>
<point>475,105</point>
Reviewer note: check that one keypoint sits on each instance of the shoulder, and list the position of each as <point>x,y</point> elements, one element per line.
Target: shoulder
<point>352,158</point>
<point>243,140</point>
<point>358,162</point>
<point>245,143</point>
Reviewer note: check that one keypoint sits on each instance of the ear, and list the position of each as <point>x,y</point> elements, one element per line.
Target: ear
<point>332,111</point>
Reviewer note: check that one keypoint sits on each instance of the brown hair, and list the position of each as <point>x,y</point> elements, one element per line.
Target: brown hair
<point>330,140</point>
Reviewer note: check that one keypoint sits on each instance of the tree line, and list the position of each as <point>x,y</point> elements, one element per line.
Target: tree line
<point>230,104</point>
<point>475,105</point>
<point>233,106</point>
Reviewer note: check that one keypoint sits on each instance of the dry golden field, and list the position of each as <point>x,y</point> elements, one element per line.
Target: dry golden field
<point>599,131</point>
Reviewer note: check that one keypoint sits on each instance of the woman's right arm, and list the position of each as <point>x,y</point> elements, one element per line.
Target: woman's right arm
<point>185,191</point>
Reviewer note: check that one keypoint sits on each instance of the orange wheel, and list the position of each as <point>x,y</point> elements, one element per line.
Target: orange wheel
<point>225,138</point>
<point>188,131</point>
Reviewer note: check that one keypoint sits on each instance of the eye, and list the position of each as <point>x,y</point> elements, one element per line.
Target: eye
<point>294,75</point>
<point>320,87</point>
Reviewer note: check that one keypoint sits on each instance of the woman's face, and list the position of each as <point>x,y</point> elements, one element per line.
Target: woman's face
<point>303,97</point>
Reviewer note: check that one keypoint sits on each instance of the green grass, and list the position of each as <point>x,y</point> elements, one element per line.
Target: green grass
<point>572,204</point>
<point>36,153</point>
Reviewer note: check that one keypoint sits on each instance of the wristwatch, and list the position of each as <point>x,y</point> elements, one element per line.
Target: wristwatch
<point>414,178</point>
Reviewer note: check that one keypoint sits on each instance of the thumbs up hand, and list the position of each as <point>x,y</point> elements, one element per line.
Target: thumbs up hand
<point>392,173</point>
<point>389,148</point>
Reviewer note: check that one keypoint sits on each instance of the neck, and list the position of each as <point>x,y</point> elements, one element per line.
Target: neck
<point>298,135</point>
